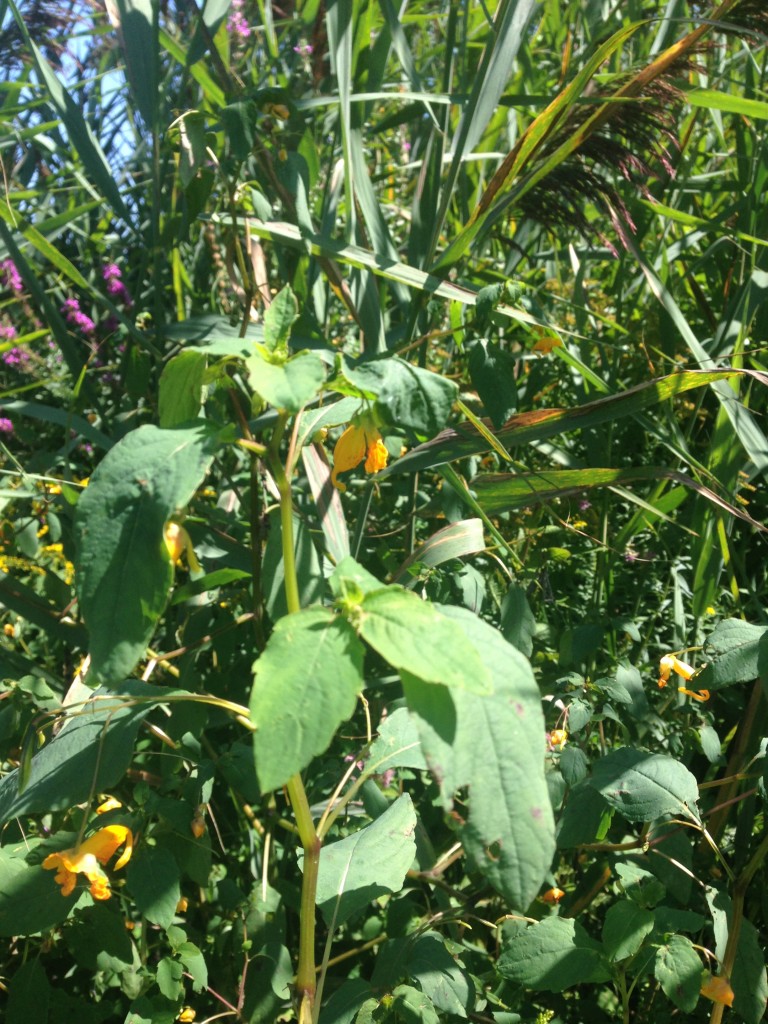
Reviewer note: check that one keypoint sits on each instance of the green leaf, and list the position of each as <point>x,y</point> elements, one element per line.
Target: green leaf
<point>580,821</point>
<point>678,970</point>
<point>414,637</point>
<point>30,900</point>
<point>168,976</point>
<point>456,540</point>
<point>645,786</point>
<point>153,882</point>
<point>290,385</point>
<point>193,960</point>
<point>517,622</point>
<point>412,1006</point>
<point>374,861</point>
<point>494,745</point>
<point>98,939</point>
<point>539,424</point>
<point>407,396</point>
<point>626,926</point>
<point>737,652</point>
<point>397,745</point>
<point>711,99</point>
<point>551,956</point>
<point>181,389</point>
<point>89,753</point>
<point>29,994</point>
<point>492,371</point>
<point>138,35</point>
<point>124,572</point>
<point>306,684</point>
<point>279,318</point>
<point>440,977</point>
<point>215,334</point>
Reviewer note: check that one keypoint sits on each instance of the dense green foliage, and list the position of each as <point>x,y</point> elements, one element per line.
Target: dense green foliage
<point>382,549</point>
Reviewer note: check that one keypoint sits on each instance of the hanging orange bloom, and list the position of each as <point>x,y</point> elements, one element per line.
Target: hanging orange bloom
<point>669,663</point>
<point>553,895</point>
<point>86,859</point>
<point>718,990</point>
<point>358,442</point>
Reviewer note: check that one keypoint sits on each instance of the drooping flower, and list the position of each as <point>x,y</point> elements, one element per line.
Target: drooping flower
<point>359,441</point>
<point>557,738</point>
<point>717,989</point>
<point>553,895</point>
<point>670,663</point>
<point>178,542</point>
<point>87,859</point>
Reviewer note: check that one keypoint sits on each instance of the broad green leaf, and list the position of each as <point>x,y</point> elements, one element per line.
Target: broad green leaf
<point>153,882</point>
<point>210,582</point>
<point>415,637</point>
<point>440,978</point>
<point>327,501</point>
<point>278,320</point>
<point>368,864</point>
<point>581,819</point>
<point>99,940</point>
<point>494,745</point>
<point>29,994</point>
<point>644,786</point>
<point>640,885</point>
<point>551,956</point>
<point>309,569</point>
<point>574,765</point>
<point>215,334</point>
<point>306,684</point>
<point>736,651</point>
<point>345,1002</point>
<point>290,385</point>
<point>168,977</point>
<point>626,926</point>
<point>517,622</point>
<point>181,389</point>
<point>397,745</point>
<point>193,960</point>
<point>124,572</point>
<point>408,396</point>
<point>492,371</point>
<point>30,900</point>
<point>678,969</point>
<point>89,754</point>
<point>411,1006</point>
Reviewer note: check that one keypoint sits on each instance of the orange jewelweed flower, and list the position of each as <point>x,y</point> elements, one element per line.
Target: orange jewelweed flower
<point>553,895</point>
<point>558,738</point>
<point>718,989</point>
<point>87,859</point>
<point>358,442</point>
<point>669,663</point>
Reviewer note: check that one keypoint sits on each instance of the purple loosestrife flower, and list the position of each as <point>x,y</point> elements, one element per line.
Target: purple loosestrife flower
<point>10,277</point>
<point>115,287</point>
<point>237,24</point>
<point>15,357</point>
<point>76,318</point>
<point>6,427</point>
<point>7,331</point>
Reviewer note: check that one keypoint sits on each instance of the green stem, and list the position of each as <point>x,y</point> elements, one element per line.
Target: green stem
<point>306,976</point>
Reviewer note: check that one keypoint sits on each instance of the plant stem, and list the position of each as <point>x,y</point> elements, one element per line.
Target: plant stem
<point>306,973</point>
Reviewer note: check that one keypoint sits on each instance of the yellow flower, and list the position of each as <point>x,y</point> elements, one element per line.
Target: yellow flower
<point>718,990</point>
<point>87,859</point>
<point>558,738</point>
<point>179,543</point>
<point>187,1015</point>
<point>358,442</point>
<point>110,804</point>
